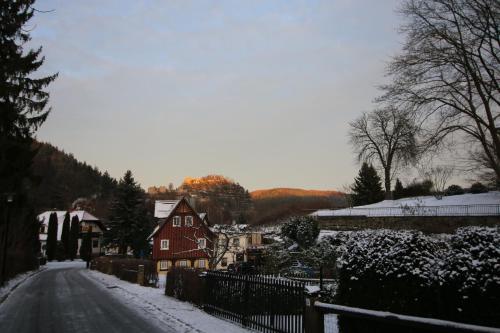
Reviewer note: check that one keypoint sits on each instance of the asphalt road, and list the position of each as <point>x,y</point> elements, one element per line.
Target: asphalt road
<point>65,300</point>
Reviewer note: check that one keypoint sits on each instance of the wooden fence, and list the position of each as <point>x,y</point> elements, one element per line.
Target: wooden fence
<point>263,303</point>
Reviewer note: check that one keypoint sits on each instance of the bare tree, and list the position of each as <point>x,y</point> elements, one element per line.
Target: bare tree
<point>386,136</point>
<point>439,177</point>
<point>448,72</point>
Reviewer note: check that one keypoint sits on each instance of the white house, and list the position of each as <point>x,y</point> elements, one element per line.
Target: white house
<point>85,220</point>
<point>243,246</point>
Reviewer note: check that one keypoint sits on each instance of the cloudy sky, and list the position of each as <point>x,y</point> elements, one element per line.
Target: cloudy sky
<point>259,91</point>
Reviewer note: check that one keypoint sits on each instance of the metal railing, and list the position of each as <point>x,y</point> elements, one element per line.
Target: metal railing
<point>403,320</point>
<point>451,210</point>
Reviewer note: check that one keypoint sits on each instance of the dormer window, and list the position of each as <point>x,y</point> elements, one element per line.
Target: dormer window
<point>189,221</point>
<point>176,221</point>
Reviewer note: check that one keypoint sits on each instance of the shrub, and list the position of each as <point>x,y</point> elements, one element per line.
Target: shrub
<point>454,190</point>
<point>478,188</point>
<point>301,229</point>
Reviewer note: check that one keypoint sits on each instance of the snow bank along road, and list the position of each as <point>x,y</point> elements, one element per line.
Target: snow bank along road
<point>68,298</point>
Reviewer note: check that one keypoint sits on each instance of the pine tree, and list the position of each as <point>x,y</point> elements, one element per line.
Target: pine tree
<point>23,109</point>
<point>129,223</point>
<point>86,248</point>
<point>398,190</point>
<point>65,236</point>
<point>367,186</point>
<point>73,237</point>
<point>52,237</point>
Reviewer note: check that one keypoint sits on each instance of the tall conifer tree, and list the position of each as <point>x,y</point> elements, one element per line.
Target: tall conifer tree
<point>23,109</point>
<point>73,237</point>
<point>52,237</point>
<point>129,223</point>
<point>367,187</point>
<point>65,236</point>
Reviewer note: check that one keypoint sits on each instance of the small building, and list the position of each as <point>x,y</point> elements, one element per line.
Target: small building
<point>85,220</point>
<point>182,237</point>
<point>243,246</point>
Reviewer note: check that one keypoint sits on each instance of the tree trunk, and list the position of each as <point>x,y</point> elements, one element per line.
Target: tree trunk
<point>387,182</point>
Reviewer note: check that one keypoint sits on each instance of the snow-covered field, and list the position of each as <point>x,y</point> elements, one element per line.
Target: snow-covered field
<point>454,205</point>
<point>161,309</point>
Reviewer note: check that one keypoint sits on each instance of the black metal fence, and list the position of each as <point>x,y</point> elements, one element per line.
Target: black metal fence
<point>263,303</point>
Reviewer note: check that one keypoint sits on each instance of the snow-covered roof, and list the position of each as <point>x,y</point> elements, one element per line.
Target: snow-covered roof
<point>456,205</point>
<point>83,216</point>
<point>202,216</point>
<point>163,208</point>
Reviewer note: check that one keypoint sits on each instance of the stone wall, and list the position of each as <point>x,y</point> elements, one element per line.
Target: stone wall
<point>427,224</point>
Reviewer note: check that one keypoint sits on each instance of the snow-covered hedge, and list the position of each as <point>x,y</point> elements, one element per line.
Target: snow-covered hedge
<point>455,278</point>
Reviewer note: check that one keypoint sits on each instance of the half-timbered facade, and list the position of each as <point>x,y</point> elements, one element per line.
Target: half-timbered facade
<point>182,237</point>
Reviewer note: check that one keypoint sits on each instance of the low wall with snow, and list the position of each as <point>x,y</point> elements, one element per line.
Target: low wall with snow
<point>428,224</point>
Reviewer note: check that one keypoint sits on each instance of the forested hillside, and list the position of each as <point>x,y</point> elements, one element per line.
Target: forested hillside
<point>64,181</point>
<point>279,203</point>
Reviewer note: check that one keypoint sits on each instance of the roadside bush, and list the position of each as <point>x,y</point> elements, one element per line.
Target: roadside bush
<point>60,252</point>
<point>301,229</point>
<point>185,284</point>
<point>478,188</point>
<point>454,190</point>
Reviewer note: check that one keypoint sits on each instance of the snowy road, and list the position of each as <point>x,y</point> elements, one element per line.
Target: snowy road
<point>64,299</point>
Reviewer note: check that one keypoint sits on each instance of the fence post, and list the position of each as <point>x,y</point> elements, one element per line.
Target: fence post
<point>245,301</point>
<point>110,268</point>
<point>314,321</point>
<point>140,275</point>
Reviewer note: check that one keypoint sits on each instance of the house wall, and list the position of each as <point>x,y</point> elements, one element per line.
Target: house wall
<point>245,241</point>
<point>181,239</point>
<point>428,224</point>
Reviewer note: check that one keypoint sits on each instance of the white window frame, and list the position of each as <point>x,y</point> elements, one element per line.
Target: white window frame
<point>202,241</point>
<point>162,242</point>
<point>176,219</point>
<point>201,263</point>
<point>163,265</point>
<point>181,262</point>
<point>190,219</point>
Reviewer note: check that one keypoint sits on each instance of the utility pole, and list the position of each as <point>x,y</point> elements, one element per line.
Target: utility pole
<point>9,200</point>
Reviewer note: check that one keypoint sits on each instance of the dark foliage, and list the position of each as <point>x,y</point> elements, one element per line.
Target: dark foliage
<point>454,190</point>
<point>417,188</point>
<point>130,222</point>
<point>478,188</point>
<point>66,183</point>
<point>65,236</point>
<point>74,234</point>
<point>398,190</point>
<point>367,187</point>
<point>52,237</point>
<point>23,105</point>
<point>60,254</point>
<point>86,248</point>
<point>303,230</point>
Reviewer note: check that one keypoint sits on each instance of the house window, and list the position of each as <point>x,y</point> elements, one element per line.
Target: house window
<point>164,243</point>
<point>183,263</point>
<point>163,265</point>
<point>236,242</point>
<point>189,221</point>
<point>202,243</point>
<point>223,262</point>
<point>201,263</point>
<point>177,221</point>
<point>95,243</point>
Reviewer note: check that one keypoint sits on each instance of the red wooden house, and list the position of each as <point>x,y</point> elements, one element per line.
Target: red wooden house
<point>182,237</point>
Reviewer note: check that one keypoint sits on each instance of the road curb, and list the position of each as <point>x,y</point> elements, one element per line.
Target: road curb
<point>14,287</point>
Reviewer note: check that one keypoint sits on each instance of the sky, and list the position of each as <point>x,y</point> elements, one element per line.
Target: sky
<point>259,91</point>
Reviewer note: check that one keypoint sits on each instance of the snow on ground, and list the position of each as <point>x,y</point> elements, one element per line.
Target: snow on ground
<point>458,205</point>
<point>162,309</point>
<point>15,282</point>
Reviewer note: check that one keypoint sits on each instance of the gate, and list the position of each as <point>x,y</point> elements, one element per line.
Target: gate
<point>266,304</point>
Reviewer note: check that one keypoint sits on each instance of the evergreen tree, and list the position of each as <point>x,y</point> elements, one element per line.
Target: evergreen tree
<point>129,222</point>
<point>65,236</point>
<point>86,248</point>
<point>398,190</point>
<point>367,186</point>
<point>73,237</point>
<point>52,237</point>
<point>23,109</point>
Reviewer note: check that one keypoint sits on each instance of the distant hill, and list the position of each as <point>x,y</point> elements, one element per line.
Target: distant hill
<point>222,198</point>
<point>291,192</point>
<point>273,205</point>
<point>63,181</point>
